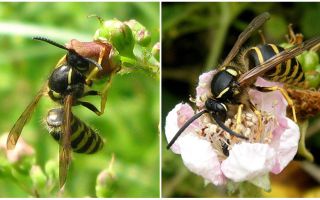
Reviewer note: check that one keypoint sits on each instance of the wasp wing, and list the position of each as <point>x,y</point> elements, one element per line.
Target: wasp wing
<point>254,25</point>
<point>249,77</point>
<point>65,141</point>
<point>16,130</point>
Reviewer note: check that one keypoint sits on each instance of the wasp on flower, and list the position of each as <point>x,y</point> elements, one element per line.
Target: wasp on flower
<point>240,130</point>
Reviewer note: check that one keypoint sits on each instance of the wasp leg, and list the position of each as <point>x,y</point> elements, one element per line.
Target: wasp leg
<point>94,72</point>
<point>263,39</point>
<point>239,114</point>
<point>285,95</point>
<point>90,107</point>
<point>62,60</point>
<point>294,38</point>
<point>258,114</point>
<point>104,93</point>
<point>91,93</point>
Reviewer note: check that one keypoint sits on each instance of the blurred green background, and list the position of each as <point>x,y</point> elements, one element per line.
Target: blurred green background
<point>198,39</point>
<point>130,122</point>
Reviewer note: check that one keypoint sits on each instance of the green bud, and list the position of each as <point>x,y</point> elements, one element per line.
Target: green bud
<point>313,79</point>
<point>140,33</point>
<point>106,181</point>
<point>156,50</point>
<point>118,34</point>
<point>308,60</point>
<point>115,59</point>
<point>38,178</point>
<point>52,170</point>
<point>106,184</point>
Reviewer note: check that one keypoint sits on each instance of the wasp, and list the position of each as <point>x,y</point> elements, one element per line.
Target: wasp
<point>233,78</point>
<point>67,84</point>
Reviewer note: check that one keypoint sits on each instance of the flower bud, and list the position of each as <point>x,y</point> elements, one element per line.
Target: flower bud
<point>38,178</point>
<point>313,79</point>
<point>118,34</point>
<point>106,184</point>
<point>51,169</point>
<point>156,50</point>
<point>106,181</point>
<point>115,59</point>
<point>140,33</point>
<point>22,156</point>
<point>308,60</point>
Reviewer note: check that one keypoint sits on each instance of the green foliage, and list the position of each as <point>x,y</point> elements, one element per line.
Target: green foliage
<point>129,124</point>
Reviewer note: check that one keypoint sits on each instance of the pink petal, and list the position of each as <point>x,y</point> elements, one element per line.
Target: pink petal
<point>204,88</point>
<point>248,161</point>
<point>285,144</point>
<point>200,158</point>
<point>175,119</point>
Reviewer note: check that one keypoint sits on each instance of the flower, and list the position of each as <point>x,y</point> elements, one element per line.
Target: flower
<point>208,151</point>
<point>21,151</point>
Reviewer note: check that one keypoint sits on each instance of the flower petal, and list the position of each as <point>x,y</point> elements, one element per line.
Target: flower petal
<point>175,119</point>
<point>200,158</point>
<point>285,143</point>
<point>247,161</point>
<point>204,88</point>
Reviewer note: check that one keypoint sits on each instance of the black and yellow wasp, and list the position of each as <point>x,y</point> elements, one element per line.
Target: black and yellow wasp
<point>235,76</point>
<point>67,84</point>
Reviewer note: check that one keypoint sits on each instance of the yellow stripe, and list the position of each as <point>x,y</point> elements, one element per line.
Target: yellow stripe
<point>83,142</point>
<point>258,52</point>
<point>278,70</point>
<point>296,69</point>
<point>232,72</point>
<point>223,92</point>
<point>94,142</point>
<point>69,76</point>
<point>284,77</point>
<point>275,48</point>
<point>278,67</point>
<point>299,78</point>
<point>76,134</point>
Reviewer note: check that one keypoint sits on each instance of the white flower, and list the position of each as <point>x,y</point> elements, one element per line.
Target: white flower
<point>269,149</point>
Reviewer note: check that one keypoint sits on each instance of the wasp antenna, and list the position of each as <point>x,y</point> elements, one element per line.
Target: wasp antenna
<point>94,63</point>
<point>44,39</point>
<point>231,132</point>
<point>194,117</point>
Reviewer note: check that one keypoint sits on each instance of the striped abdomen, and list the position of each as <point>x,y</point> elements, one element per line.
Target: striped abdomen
<point>83,138</point>
<point>289,71</point>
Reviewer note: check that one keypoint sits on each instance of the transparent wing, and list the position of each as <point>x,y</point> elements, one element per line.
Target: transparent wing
<point>65,141</point>
<point>249,77</point>
<point>254,25</point>
<point>16,130</point>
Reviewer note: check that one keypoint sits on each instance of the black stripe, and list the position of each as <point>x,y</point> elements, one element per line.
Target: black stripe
<point>99,143</point>
<point>283,69</point>
<point>55,135</point>
<point>298,74</point>
<point>74,125</point>
<point>292,68</point>
<point>252,58</point>
<point>77,140</point>
<point>91,137</point>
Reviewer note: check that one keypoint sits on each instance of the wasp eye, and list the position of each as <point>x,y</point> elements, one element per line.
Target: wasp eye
<point>77,61</point>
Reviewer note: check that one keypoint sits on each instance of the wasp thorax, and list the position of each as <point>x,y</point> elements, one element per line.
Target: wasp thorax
<point>223,83</point>
<point>65,80</point>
